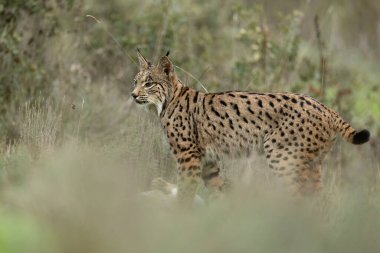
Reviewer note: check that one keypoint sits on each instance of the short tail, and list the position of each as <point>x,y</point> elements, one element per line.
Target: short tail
<point>350,134</point>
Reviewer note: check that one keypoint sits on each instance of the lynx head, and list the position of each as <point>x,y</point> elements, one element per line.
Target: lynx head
<point>154,84</point>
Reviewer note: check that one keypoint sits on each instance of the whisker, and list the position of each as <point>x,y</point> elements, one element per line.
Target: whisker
<point>188,73</point>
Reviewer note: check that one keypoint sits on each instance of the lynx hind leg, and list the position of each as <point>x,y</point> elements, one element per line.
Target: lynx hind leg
<point>309,178</point>
<point>212,179</point>
<point>162,185</point>
<point>297,171</point>
<point>315,175</point>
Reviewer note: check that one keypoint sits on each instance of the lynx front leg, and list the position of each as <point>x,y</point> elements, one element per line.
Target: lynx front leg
<point>212,179</point>
<point>189,176</point>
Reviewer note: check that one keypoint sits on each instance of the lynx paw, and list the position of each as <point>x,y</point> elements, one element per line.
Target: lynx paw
<point>163,186</point>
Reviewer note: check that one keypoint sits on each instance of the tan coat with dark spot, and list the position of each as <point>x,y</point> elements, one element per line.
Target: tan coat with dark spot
<point>294,131</point>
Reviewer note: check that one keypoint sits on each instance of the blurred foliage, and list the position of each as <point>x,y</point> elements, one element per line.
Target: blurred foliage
<point>52,49</point>
<point>88,198</point>
<point>73,146</point>
<point>270,56</point>
<point>20,233</point>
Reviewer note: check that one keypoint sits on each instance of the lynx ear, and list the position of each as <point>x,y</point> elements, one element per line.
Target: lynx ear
<point>144,64</point>
<point>165,65</point>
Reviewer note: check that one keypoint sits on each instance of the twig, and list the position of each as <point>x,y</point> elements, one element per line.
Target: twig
<point>321,47</point>
<point>161,34</point>
<point>264,46</point>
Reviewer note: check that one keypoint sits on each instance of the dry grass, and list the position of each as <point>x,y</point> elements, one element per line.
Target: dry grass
<point>85,198</point>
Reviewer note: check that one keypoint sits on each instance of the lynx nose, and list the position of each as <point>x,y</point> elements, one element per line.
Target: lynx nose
<point>134,95</point>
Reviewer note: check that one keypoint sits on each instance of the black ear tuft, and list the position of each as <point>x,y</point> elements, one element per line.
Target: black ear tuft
<point>165,65</point>
<point>167,53</point>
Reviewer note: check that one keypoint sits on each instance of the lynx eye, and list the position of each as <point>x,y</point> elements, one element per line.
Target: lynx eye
<point>148,84</point>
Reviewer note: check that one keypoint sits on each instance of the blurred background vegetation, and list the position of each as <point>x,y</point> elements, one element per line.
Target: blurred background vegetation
<point>74,149</point>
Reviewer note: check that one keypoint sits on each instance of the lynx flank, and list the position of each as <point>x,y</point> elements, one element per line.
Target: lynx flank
<point>294,131</point>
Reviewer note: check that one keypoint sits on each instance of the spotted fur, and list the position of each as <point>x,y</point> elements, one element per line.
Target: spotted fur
<point>294,131</point>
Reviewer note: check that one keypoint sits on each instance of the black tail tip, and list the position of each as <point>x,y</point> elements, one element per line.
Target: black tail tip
<point>361,137</point>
